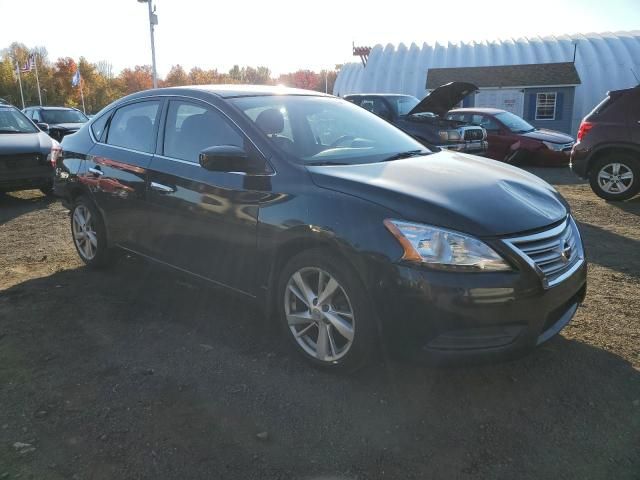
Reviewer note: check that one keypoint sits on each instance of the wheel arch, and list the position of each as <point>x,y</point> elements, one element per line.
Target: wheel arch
<point>607,149</point>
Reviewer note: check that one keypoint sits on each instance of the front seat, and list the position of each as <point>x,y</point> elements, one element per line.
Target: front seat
<point>271,122</point>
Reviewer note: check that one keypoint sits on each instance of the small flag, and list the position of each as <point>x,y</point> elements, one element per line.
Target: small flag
<point>75,81</point>
<point>28,65</point>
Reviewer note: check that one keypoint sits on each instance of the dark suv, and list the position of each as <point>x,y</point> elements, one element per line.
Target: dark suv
<point>425,119</point>
<point>607,152</point>
<point>57,121</point>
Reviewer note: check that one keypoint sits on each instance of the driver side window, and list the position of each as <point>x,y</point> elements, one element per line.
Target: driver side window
<point>486,122</point>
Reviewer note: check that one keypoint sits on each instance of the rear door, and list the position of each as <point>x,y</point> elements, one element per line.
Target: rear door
<point>202,221</point>
<point>116,170</point>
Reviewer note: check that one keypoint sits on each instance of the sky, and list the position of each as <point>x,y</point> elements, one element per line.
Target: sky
<point>287,35</point>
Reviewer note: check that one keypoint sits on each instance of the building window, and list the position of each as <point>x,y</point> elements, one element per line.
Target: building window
<point>546,106</point>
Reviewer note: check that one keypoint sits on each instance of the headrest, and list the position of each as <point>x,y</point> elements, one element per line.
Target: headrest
<point>270,121</point>
<point>139,122</point>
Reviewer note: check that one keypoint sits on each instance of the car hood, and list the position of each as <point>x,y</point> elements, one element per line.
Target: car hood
<point>548,136</point>
<point>444,98</point>
<point>452,190</point>
<point>16,143</point>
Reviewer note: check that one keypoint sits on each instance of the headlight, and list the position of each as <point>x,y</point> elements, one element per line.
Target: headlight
<point>440,248</point>
<point>556,147</point>
<point>450,136</point>
<point>55,152</point>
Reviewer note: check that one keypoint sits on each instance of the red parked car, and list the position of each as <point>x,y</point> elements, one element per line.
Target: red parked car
<point>514,140</point>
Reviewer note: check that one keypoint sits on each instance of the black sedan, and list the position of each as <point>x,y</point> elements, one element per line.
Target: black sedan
<point>27,155</point>
<point>57,121</point>
<point>348,230</point>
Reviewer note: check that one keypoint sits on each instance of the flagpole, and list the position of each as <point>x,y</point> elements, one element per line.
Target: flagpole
<point>20,83</point>
<point>35,65</point>
<point>82,95</point>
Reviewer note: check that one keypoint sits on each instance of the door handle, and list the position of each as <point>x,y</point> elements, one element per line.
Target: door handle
<point>96,171</point>
<point>159,187</point>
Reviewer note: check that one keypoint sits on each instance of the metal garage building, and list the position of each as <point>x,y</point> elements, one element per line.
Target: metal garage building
<point>552,82</point>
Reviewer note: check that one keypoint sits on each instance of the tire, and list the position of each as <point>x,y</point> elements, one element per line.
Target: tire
<point>620,167</point>
<point>96,253</point>
<point>356,318</point>
<point>48,190</point>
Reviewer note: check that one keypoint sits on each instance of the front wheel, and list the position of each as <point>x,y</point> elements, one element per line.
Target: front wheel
<point>325,311</point>
<point>616,177</point>
<point>89,233</point>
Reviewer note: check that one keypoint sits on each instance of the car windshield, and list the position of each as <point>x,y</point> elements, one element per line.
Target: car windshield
<point>14,121</point>
<point>326,130</point>
<point>63,116</point>
<point>404,104</point>
<point>514,122</point>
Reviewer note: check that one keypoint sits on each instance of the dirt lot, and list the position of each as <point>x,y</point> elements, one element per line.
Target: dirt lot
<point>138,373</point>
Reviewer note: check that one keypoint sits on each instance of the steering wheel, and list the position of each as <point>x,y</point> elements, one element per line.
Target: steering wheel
<point>341,139</point>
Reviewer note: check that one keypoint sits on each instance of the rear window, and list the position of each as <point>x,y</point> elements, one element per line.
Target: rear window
<point>603,105</point>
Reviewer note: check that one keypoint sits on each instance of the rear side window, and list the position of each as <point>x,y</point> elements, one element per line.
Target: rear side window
<point>603,105</point>
<point>191,128</point>
<point>133,126</point>
<point>98,126</point>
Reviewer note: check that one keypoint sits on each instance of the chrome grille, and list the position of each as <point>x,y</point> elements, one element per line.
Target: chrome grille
<point>554,252</point>
<point>472,134</point>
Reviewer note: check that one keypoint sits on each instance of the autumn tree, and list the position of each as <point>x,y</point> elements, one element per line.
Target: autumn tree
<point>140,78</point>
<point>176,77</point>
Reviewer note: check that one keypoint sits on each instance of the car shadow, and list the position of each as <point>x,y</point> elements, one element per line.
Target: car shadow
<point>630,206</point>
<point>135,360</point>
<point>15,204</point>
<point>611,250</point>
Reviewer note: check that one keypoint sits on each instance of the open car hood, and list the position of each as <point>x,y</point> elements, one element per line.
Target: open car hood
<point>444,98</point>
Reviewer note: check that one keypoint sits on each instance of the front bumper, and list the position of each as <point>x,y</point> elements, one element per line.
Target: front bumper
<point>478,147</point>
<point>440,315</point>
<point>552,158</point>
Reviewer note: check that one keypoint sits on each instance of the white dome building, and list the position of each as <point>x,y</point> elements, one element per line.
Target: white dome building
<point>552,96</point>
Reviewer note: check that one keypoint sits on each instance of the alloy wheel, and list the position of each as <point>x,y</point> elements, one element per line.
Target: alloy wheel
<point>84,234</point>
<point>615,178</point>
<point>319,314</point>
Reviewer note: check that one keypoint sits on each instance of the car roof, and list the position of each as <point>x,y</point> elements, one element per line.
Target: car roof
<point>230,91</point>
<point>487,110</point>
<point>49,108</point>
<point>377,95</point>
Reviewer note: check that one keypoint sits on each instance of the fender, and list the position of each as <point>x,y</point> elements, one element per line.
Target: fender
<point>610,145</point>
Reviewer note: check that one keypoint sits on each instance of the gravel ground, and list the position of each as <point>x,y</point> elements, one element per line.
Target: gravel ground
<point>136,373</point>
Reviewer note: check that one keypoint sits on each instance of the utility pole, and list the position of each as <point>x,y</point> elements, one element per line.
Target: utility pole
<point>153,21</point>
<point>20,82</point>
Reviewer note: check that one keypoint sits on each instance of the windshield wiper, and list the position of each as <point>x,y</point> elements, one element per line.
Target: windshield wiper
<point>324,163</point>
<point>407,154</point>
<point>2,130</point>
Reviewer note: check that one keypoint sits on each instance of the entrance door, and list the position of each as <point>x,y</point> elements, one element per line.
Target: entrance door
<point>506,99</point>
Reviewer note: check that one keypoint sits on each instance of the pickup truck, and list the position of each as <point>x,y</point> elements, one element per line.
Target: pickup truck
<point>425,119</point>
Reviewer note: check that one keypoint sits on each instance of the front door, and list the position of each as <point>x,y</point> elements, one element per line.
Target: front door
<point>116,169</point>
<point>202,221</point>
<point>498,138</point>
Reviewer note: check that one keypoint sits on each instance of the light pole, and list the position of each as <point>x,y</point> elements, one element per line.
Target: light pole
<point>153,21</point>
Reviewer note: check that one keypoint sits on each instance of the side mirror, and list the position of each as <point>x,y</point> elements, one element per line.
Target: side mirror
<point>224,158</point>
<point>43,126</point>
